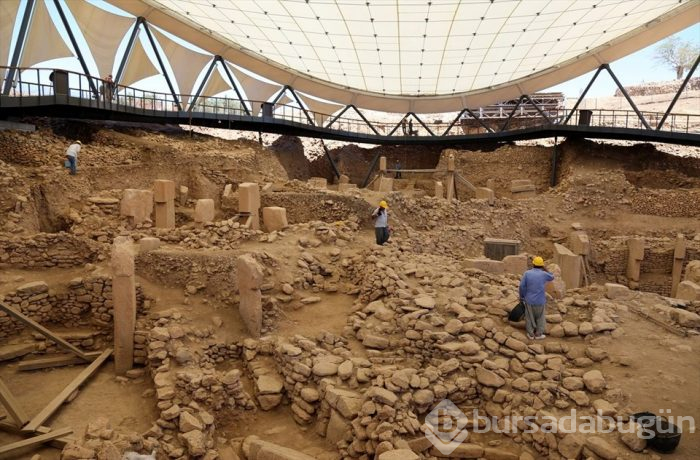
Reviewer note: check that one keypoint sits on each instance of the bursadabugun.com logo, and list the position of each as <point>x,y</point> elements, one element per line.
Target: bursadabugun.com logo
<point>446,425</point>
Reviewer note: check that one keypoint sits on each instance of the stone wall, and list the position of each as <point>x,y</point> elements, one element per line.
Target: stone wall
<point>45,250</point>
<point>611,262</point>
<point>82,302</point>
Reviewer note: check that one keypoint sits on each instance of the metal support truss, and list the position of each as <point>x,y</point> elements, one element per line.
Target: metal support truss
<point>408,115</point>
<point>471,114</point>
<point>64,20</point>
<point>162,65</point>
<point>539,110</point>
<point>679,92</point>
<point>235,86</point>
<point>371,168</point>
<point>512,112</point>
<point>308,117</point>
<point>627,96</point>
<point>127,52</point>
<point>357,111</point>
<point>328,155</point>
<point>553,178</point>
<point>211,68</point>
<point>19,46</point>
<point>583,95</point>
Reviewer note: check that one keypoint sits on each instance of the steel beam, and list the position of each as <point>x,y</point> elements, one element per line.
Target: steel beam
<point>553,178</point>
<point>162,65</point>
<point>235,86</point>
<point>583,95</point>
<point>456,119</point>
<point>127,52</point>
<point>371,168</point>
<point>422,124</point>
<point>679,92</point>
<point>64,20</point>
<point>328,155</point>
<point>515,109</point>
<point>19,46</point>
<point>211,68</point>
<point>306,112</point>
<point>627,96</point>
<point>544,115</point>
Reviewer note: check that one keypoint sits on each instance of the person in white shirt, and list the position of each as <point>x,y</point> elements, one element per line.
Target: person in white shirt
<point>381,223</point>
<point>72,157</point>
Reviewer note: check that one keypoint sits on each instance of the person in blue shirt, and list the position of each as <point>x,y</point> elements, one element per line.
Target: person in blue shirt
<point>533,297</point>
<point>381,223</point>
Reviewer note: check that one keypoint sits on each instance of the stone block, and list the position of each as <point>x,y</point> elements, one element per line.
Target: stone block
<point>520,183</point>
<point>678,258</point>
<point>483,193</point>
<point>515,264</point>
<point>137,205</point>
<point>451,165</point>
<point>579,243</point>
<point>165,214</point>
<point>439,190</point>
<point>148,243</point>
<point>346,187</point>
<point>685,318</point>
<point>385,184</point>
<point>687,290</point>
<point>248,197</point>
<point>570,265</point>
<point>485,265</point>
<point>255,448</point>
<point>497,249</point>
<point>635,246</point>
<point>163,190</point>
<point>204,210</point>
<point>274,218</point>
<point>124,300</point>
<point>343,179</point>
<point>692,271</point>
<point>490,183</point>
<point>318,182</point>
<point>250,277</point>
<point>338,428</point>
<point>382,163</point>
<point>398,454</point>
<point>184,195</point>
<point>616,291</point>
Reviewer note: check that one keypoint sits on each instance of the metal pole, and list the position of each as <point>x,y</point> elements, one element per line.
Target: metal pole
<point>162,65</point>
<point>422,124</point>
<point>76,47</point>
<point>453,122</point>
<point>627,96</point>
<point>549,120</point>
<point>391,133</point>
<point>235,87</point>
<point>328,155</point>
<point>583,95</point>
<point>371,168</point>
<point>678,94</point>
<point>201,86</point>
<point>127,52</point>
<point>371,126</point>
<point>505,125</point>
<point>306,112</point>
<point>328,125</point>
<point>279,95</point>
<point>19,47</point>
<point>485,126</point>
<point>553,179</point>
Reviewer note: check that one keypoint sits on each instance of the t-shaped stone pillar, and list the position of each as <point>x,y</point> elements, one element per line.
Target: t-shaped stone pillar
<point>382,165</point>
<point>634,258</point>
<point>124,300</point>
<point>164,197</point>
<point>250,278</point>
<point>204,210</point>
<point>249,202</point>
<point>678,258</point>
<point>137,205</point>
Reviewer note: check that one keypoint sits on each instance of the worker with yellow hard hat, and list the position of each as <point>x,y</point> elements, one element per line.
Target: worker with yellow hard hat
<point>533,298</point>
<point>381,223</point>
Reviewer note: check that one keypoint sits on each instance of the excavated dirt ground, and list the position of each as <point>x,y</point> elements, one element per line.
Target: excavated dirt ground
<point>322,278</point>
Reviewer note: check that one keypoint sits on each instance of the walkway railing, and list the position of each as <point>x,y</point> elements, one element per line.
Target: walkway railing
<point>33,87</point>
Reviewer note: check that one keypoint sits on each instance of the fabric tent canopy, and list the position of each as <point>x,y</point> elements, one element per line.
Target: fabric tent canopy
<point>43,40</point>
<point>8,14</point>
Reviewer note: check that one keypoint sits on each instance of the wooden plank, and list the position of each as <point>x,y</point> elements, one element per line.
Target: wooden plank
<point>58,443</point>
<point>42,438</point>
<point>56,402</point>
<point>43,331</point>
<point>14,410</point>
<point>54,361</point>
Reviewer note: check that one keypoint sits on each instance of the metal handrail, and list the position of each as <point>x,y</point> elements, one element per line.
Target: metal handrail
<point>36,82</point>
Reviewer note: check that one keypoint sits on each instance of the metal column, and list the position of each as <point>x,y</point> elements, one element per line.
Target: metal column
<point>76,48</point>
<point>19,45</point>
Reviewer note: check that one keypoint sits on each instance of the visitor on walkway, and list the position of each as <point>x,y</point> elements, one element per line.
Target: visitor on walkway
<point>107,88</point>
<point>397,167</point>
<point>404,128</point>
<point>533,297</point>
<point>72,157</point>
<point>411,132</point>
<point>381,223</point>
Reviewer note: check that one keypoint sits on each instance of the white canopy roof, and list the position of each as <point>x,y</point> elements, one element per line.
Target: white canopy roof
<point>425,56</point>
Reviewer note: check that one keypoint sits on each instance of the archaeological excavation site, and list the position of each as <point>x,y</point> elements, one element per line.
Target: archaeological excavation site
<point>349,230</point>
<point>206,298</point>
